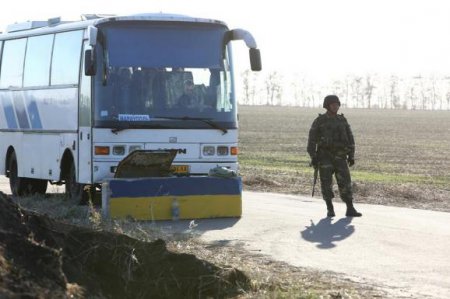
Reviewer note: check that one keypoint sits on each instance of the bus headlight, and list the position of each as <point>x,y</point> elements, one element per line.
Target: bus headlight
<point>119,150</point>
<point>209,150</point>
<point>222,150</point>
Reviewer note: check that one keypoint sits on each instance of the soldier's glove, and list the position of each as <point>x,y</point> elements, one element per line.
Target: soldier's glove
<point>314,162</point>
<point>351,161</point>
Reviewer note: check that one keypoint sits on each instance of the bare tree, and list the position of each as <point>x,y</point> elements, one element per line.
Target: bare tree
<point>393,92</point>
<point>447,97</point>
<point>357,91</point>
<point>369,90</point>
<point>296,92</point>
<point>366,91</point>
<point>246,87</point>
<point>411,97</point>
<point>447,94</point>
<point>424,93</point>
<point>273,88</point>
<point>296,86</point>
<point>250,87</point>
<point>433,95</point>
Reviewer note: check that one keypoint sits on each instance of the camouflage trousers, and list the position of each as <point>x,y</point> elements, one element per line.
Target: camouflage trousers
<point>338,166</point>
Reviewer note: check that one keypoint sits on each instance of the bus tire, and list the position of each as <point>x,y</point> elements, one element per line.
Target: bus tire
<point>18,185</point>
<point>74,190</point>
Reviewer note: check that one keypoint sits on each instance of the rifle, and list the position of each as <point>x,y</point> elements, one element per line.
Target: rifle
<point>316,171</point>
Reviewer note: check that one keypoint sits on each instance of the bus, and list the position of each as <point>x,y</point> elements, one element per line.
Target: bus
<point>78,97</point>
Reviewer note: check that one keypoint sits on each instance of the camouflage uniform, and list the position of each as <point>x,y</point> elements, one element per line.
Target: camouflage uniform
<point>331,147</point>
<point>335,143</point>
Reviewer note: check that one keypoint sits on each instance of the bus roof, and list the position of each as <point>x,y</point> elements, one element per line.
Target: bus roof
<point>56,25</point>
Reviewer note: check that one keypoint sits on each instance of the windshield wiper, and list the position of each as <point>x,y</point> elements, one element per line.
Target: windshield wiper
<point>205,120</point>
<point>118,129</point>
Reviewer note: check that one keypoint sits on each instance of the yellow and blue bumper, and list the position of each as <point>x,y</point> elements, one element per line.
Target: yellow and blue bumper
<point>153,198</point>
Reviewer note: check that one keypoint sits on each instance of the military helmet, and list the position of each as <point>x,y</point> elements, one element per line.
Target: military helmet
<point>330,99</point>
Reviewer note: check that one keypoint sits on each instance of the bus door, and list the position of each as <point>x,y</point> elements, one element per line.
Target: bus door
<point>85,126</point>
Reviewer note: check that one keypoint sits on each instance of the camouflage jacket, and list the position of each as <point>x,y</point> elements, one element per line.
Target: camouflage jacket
<point>332,135</point>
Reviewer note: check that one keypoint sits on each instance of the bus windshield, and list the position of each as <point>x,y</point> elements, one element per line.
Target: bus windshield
<point>163,76</point>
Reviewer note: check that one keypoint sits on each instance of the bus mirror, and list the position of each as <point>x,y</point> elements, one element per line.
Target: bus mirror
<point>89,63</point>
<point>255,59</point>
<point>92,35</point>
<point>247,37</point>
<point>241,34</point>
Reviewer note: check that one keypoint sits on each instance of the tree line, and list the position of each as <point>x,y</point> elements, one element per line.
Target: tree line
<point>425,92</point>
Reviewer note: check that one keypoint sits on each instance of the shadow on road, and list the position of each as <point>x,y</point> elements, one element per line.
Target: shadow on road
<point>216,224</point>
<point>326,233</point>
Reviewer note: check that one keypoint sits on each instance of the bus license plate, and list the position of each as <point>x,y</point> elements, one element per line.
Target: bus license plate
<point>180,169</point>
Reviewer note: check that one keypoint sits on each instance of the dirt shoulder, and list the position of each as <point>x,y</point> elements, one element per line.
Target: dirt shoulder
<point>44,258</point>
<point>79,247</point>
<point>404,195</point>
<point>273,279</point>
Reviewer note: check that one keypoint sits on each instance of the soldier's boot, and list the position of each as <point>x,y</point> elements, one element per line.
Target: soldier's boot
<point>351,211</point>
<point>330,208</point>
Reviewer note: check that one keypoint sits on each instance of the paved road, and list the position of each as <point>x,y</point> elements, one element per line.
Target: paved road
<point>402,250</point>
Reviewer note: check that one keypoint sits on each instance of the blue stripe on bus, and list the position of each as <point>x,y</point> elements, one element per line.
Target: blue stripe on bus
<point>174,186</point>
<point>33,113</point>
<point>10,117</point>
<point>8,109</point>
<point>21,111</point>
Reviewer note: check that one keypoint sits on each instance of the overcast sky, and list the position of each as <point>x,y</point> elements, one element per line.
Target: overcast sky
<point>317,37</point>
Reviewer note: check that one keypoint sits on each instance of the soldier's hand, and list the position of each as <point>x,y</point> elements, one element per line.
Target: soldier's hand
<point>314,162</point>
<point>351,162</point>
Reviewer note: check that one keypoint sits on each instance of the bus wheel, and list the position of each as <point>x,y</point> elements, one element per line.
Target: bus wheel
<point>17,184</point>
<point>74,190</point>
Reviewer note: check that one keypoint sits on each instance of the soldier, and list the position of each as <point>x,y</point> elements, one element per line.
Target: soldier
<point>332,149</point>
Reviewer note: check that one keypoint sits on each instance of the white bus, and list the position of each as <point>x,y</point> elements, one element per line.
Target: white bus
<point>77,97</point>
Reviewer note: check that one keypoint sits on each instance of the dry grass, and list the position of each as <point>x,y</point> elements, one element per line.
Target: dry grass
<point>268,279</point>
<point>402,157</point>
<point>271,279</point>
